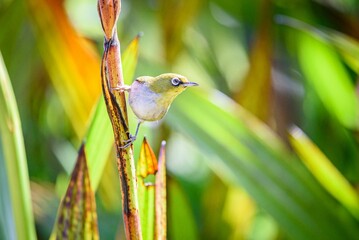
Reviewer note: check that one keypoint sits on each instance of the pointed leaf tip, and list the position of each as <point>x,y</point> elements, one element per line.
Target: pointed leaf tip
<point>147,163</point>
<point>77,217</point>
<point>81,152</point>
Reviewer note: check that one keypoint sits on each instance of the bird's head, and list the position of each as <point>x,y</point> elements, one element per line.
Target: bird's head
<point>169,84</point>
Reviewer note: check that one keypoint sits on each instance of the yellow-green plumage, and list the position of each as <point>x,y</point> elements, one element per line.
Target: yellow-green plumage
<point>150,97</point>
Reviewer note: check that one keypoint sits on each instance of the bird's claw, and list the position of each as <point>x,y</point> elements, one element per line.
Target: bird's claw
<point>131,138</point>
<point>128,142</point>
<point>123,88</point>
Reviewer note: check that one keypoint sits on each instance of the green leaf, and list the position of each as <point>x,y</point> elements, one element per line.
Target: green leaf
<point>14,156</point>
<point>244,151</point>
<point>324,71</point>
<point>329,78</point>
<point>347,46</point>
<point>77,217</point>
<point>323,169</point>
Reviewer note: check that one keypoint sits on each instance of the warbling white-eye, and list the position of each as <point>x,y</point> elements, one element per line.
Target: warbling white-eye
<point>151,97</point>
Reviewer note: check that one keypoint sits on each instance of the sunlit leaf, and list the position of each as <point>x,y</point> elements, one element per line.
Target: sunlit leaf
<point>71,61</point>
<point>161,196</point>
<point>146,168</point>
<point>329,78</point>
<point>12,155</point>
<point>325,171</point>
<point>324,70</point>
<point>77,217</point>
<point>242,150</point>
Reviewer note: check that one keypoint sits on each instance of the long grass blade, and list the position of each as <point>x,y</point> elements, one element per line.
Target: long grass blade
<point>15,159</point>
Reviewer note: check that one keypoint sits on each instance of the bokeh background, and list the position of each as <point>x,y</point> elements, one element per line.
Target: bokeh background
<point>264,66</point>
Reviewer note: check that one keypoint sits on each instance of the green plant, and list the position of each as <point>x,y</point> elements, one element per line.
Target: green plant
<point>233,172</point>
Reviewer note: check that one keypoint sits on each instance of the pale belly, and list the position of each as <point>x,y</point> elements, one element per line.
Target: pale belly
<point>147,105</point>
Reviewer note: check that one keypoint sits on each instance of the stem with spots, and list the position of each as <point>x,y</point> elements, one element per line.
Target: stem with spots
<point>111,75</point>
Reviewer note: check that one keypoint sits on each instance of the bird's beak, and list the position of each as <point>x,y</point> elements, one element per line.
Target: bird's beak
<point>190,84</point>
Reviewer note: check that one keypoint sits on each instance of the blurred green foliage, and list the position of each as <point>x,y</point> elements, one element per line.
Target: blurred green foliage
<point>231,177</point>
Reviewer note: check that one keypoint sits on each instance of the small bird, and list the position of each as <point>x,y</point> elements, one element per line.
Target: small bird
<point>151,97</point>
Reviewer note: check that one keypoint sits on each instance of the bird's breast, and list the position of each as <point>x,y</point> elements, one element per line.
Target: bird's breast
<point>146,104</point>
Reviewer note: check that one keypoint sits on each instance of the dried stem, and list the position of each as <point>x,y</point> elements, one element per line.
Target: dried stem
<point>111,74</point>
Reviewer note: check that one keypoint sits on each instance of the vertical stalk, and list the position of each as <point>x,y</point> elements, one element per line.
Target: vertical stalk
<point>111,74</point>
<point>161,196</point>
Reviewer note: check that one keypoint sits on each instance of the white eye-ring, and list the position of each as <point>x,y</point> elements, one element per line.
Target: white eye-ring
<point>175,81</point>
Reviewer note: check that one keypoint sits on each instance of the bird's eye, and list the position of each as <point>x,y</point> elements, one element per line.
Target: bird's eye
<point>175,81</point>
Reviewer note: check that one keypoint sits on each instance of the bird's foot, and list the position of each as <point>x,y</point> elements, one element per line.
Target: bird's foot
<point>121,88</point>
<point>129,141</point>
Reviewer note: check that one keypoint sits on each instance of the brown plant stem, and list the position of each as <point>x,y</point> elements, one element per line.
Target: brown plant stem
<point>111,75</point>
